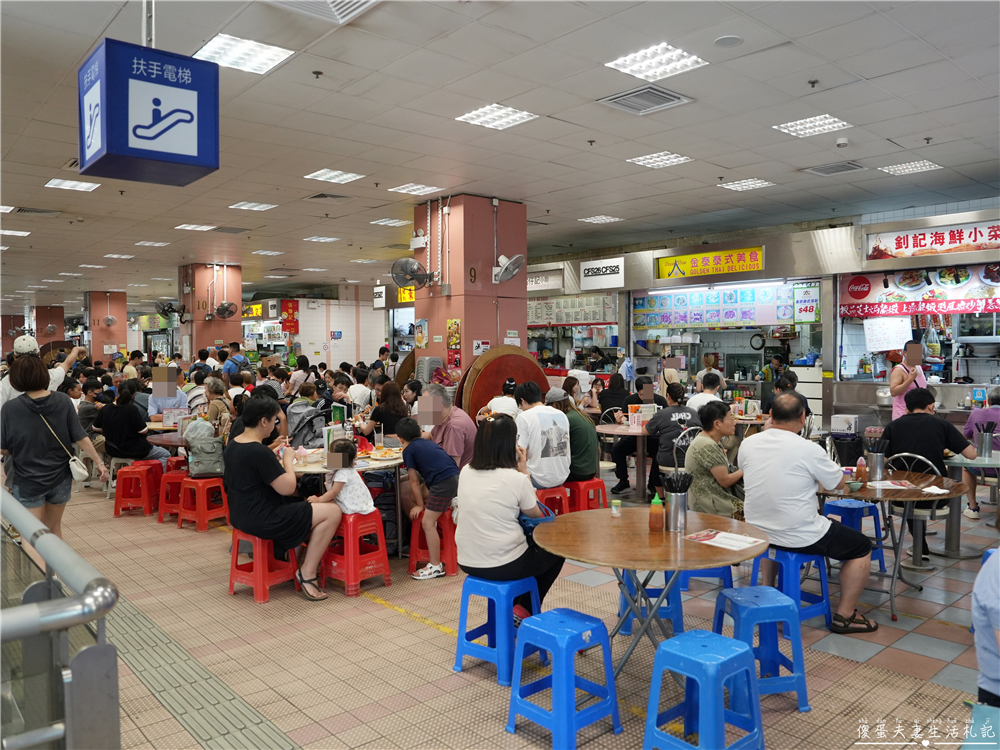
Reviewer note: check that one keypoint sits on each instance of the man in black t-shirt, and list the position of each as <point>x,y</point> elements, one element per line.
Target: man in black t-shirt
<point>626,445</point>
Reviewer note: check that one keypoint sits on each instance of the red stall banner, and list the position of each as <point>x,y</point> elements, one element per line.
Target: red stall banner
<point>942,291</point>
<point>290,315</point>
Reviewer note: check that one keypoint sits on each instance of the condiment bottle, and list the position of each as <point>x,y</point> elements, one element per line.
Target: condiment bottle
<point>656,514</point>
<point>861,470</point>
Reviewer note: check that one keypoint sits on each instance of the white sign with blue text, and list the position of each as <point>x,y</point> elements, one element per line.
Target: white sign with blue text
<point>148,115</point>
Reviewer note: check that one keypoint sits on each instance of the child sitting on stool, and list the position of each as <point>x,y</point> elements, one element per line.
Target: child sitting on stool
<point>344,485</point>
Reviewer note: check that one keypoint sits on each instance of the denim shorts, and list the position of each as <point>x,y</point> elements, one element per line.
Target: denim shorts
<point>58,495</point>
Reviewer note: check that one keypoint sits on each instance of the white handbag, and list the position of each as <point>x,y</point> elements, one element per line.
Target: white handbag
<point>77,467</point>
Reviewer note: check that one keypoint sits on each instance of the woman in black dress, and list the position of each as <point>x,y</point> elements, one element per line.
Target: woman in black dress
<point>260,489</point>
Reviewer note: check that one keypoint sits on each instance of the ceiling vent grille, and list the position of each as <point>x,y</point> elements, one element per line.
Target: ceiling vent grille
<point>398,246</point>
<point>330,198</point>
<point>841,167</point>
<point>73,163</point>
<point>537,223</point>
<point>38,212</point>
<point>646,99</point>
<point>230,230</point>
<point>333,11</point>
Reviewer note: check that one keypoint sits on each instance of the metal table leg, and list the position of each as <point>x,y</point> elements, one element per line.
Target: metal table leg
<point>640,467</point>
<point>399,515</point>
<point>897,573</point>
<point>652,613</point>
<point>953,546</point>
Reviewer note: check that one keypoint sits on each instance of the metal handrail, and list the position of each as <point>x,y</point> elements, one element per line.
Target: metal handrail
<point>97,595</point>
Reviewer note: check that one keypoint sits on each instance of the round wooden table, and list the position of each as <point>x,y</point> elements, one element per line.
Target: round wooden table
<point>906,497</point>
<point>160,427</point>
<point>624,430</point>
<point>627,545</point>
<point>170,441</point>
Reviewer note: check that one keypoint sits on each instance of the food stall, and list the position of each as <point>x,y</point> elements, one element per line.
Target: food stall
<point>562,329</point>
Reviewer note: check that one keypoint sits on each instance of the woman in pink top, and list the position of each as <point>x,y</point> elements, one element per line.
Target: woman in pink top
<point>906,376</point>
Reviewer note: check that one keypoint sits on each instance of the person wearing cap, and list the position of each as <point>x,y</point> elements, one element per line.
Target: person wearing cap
<point>27,346</point>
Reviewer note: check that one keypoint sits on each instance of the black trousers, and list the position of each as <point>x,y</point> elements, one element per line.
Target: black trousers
<point>536,562</point>
<point>625,447</point>
<point>985,696</point>
<point>924,505</point>
<point>579,477</point>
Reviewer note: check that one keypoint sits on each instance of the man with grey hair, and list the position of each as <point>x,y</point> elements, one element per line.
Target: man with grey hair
<point>991,413</point>
<point>453,430</point>
<point>116,382</point>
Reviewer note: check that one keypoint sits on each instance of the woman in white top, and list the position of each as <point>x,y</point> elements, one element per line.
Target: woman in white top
<point>709,361</point>
<point>301,375</point>
<point>505,403</point>
<point>493,490</point>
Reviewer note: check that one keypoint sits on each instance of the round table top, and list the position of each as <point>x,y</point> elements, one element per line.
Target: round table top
<point>750,420</point>
<point>160,427</point>
<point>993,462</point>
<point>595,537</point>
<point>320,468</point>
<point>872,494</point>
<point>619,429</point>
<point>167,440</point>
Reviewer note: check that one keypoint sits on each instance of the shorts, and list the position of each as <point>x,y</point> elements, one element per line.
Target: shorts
<point>58,495</point>
<point>838,543</point>
<point>983,472</point>
<point>441,494</point>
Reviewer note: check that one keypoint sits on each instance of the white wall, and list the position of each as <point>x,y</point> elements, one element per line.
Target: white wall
<point>362,327</point>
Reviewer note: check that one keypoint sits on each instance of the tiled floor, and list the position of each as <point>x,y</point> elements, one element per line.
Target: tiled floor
<point>376,671</point>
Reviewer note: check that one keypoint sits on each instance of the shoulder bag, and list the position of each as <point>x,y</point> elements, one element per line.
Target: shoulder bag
<point>77,467</point>
<point>205,457</point>
<point>528,523</point>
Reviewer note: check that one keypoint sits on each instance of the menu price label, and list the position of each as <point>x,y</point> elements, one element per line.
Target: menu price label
<point>807,304</point>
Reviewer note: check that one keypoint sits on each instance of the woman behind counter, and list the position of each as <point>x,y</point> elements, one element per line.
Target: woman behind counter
<point>710,366</point>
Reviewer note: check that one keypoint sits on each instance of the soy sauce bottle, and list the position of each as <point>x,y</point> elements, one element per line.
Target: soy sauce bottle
<point>656,514</point>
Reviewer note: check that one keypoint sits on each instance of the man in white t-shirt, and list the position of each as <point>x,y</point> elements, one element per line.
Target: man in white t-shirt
<point>27,346</point>
<point>712,383</point>
<point>780,474</point>
<point>543,432</point>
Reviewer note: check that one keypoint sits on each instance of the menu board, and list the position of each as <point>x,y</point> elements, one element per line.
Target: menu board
<point>701,307</point>
<point>573,311</point>
<point>944,291</point>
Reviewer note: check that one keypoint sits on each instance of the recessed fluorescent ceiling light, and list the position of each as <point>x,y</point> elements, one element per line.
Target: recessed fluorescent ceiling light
<point>332,175</point>
<point>392,222</point>
<point>6,209</point>
<point>248,206</point>
<point>414,189</point>
<point>4,247</point>
<point>600,219</point>
<point>242,54</point>
<point>364,260</point>
<point>654,63</point>
<point>813,126</point>
<point>315,269</point>
<point>55,281</point>
<point>159,278</point>
<point>115,290</point>
<point>35,286</point>
<point>275,277</point>
<point>245,283</point>
<point>497,117</point>
<point>138,284</point>
<point>746,184</point>
<point>166,297</point>
<point>321,239</point>
<point>660,160</point>
<point>144,243</point>
<point>73,185</point>
<point>196,227</point>
<point>267,252</point>
<point>88,265</point>
<point>353,281</point>
<point>70,274</point>
<point>23,291</point>
<point>14,233</point>
<point>911,167</point>
<point>121,257</point>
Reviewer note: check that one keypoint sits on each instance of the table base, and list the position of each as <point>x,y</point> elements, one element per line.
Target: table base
<point>635,604</point>
<point>964,552</point>
<point>922,566</point>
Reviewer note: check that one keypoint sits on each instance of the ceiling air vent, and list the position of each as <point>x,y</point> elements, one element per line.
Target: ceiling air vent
<point>230,230</point>
<point>646,99</point>
<point>330,198</point>
<point>537,223</point>
<point>334,11</point>
<point>841,167</point>
<point>73,163</point>
<point>398,247</point>
<point>37,212</point>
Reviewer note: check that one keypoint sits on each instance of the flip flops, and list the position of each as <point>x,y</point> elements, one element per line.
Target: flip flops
<point>311,581</point>
<point>844,625</point>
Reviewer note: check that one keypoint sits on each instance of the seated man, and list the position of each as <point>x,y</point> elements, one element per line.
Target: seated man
<point>780,473</point>
<point>543,433</point>
<point>178,401</point>
<point>922,432</point>
<point>991,413</point>
<point>626,445</point>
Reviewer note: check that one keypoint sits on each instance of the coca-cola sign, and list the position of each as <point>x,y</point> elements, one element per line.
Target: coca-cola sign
<point>859,287</point>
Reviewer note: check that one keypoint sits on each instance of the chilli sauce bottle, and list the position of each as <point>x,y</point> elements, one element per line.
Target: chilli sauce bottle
<point>656,514</point>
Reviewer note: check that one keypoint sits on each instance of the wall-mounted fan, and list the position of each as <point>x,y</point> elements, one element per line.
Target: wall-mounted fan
<point>408,272</point>
<point>131,320</point>
<point>110,320</point>
<point>225,309</point>
<point>51,327</point>
<point>508,268</point>
<point>168,309</point>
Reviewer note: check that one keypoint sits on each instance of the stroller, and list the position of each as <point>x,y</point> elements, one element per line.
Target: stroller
<point>305,425</point>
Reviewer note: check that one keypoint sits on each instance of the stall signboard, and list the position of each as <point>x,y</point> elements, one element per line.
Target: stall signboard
<point>944,291</point>
<point>542,280</point>
<point>147,115</point>
<point>253,310</point>
<point>607,273</point>
<point>726,307</point>
<point>156,322</point>
<point>406,294</point>
<point>290,316</point>
<point>710,263</point>
<point>960,238</point>
<point>378,297</point>
<point>574,310</point>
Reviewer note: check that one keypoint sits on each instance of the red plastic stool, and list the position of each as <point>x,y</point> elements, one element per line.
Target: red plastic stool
<point>555,499</point>
<point>264,570</point>
<point>135,490</point>
<point>157,469</point>
<point>418,544</point>
<point>194,502</point>
<point>351,559</point>
<point>587,495</point>
<point>177,463</point>
<point>170,493</point>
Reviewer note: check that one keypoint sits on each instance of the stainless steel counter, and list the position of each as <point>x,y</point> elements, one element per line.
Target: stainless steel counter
<point>855,397</point>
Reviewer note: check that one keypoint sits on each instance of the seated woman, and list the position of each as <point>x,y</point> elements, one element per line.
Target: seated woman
<point>124,430</point>
<point>391,408</point>
<point>667,425</point>
<point>411,392</point>
<point>615,394</point>
<point>493,490</point>
<point>592,398</point>
<point>583,443</point>
<point>220,407</point>
<point>708,464</point>
<point>505,403</point>
<point>259,487</point>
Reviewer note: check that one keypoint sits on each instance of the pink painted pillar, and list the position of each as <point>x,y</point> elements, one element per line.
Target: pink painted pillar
<point>99,305</point>
<point>202,299</point>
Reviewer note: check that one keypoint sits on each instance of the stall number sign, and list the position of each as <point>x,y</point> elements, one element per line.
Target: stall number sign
<point>711,263</point>
<point>608,273</point>
<point>806,304</point>
<point>480,347</point>
<point>378,297</point>
<point>406,294</point>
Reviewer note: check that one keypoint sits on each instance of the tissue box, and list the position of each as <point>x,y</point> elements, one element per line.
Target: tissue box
<point>844,424</point>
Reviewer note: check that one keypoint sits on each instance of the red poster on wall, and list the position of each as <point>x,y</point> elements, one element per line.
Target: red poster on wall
<point>290,315</point>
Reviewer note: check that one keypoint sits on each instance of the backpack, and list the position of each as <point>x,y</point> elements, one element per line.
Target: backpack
<point>243,364</point>
<point>201,367</point>
<point>205,457</point>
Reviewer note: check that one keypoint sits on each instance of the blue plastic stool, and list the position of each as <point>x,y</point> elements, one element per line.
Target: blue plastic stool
<point>763,607</point>
<point>724,574</point>
<point>672,608</point>
<point>563,632</point>
<point>851,513</point>
<point>499,628</point>
<point>709,661</point>
<point>789,565</point>
<point>986,556</point>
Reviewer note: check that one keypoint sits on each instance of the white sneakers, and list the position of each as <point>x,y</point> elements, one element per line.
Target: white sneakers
<point>428,572</point>
<point>969,512</point>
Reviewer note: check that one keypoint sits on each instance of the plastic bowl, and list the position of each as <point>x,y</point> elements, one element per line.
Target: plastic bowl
<point>854,486</point>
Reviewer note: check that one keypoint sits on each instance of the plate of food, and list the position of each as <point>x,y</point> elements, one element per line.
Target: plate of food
<point>652,303</point>
<point>953,276</point>
<point>910,281</point>
<point>891,297</point>
<point>931,294</point>
<point>981,292</point>
<point>991,274</point>
<point>386,454</point>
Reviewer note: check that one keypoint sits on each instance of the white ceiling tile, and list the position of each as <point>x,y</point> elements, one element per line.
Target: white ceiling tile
<point>490,85</point>
<point>482,45</point>
<point>386,89</point>
<point>603,41</point>
<point>353,108</point>
<point>672,20</point>
<point>850,97</point>
<point>413,23</point>
<point>775,61</point>
<point>429,68</point>
<point>871,32</point>
<point>752,96</point>
<point>272,90</point>
<point>546,100</point>
<point>921,79</point>
<point>926,18</point>
<point>353,46</point>
<point>756,37</point>
<point>541,22</point>
<point>543,65</point>
<point>271,24</point>
<point>908,53</point>
<point>978,62</point>
<point>955,95</point>
<point>796,19</point>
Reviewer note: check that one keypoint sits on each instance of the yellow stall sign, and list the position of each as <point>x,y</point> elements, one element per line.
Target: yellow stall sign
<point>255,310</point>
<point>711,263</point>
<point>406,294</point>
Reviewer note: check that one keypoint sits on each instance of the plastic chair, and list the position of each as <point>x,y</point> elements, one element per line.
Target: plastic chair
<point>499,626</point>
<point>563,632</point>
<point>672,609</point>
<point>264,569</point>
<point>418,544</point>
<point>170,494</point>
<point>351,559</point>
<point>194,502</point>
<point>852,513</point>
<point>587,495</point>
<point>116,463</point>
<point>157,471</point>
<point>709,662</point>
<point>914,463</point>
<point>790,584</point>
<point>555,499</point>
<point>724,574</point>
<point>176,463</point>
<point>134,490</point>
<point>762,608</point>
